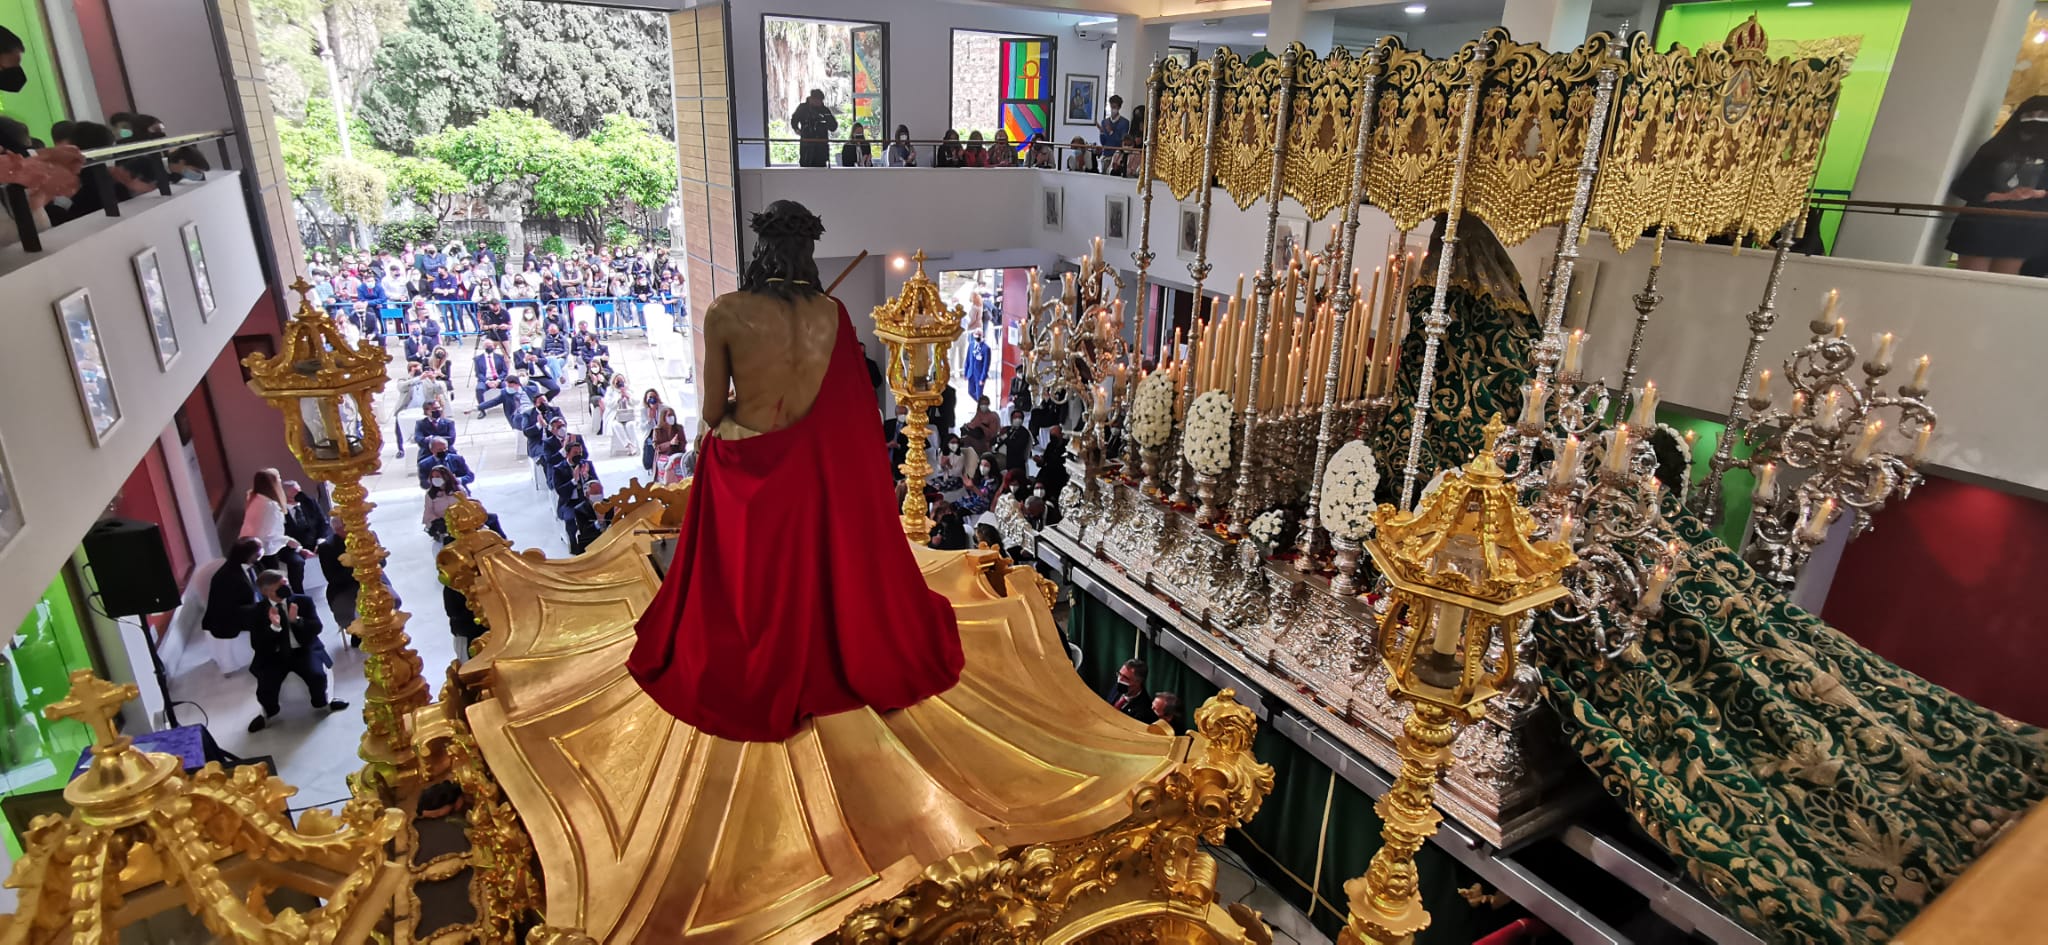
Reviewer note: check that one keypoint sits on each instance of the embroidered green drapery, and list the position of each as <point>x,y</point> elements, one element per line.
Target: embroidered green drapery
<point>1819,792</point>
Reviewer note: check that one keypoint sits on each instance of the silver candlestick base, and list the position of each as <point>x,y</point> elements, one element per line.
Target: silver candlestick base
<point>1148,460</point>
<point>1345,584</point>
<point>1205,488</point>
<point>1308,554</point>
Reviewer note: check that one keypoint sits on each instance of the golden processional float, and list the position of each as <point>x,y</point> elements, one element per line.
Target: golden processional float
<point>1234,517</point>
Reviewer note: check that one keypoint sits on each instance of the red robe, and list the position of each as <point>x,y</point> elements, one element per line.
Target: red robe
<point>793,592</point>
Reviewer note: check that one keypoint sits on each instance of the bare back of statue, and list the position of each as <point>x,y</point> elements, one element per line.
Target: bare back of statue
<point>774,352</point>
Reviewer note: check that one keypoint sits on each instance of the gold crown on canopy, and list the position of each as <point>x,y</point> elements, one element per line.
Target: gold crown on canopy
<point>1471,538</point>
<point>917,314</point>
<point>1748,37</point>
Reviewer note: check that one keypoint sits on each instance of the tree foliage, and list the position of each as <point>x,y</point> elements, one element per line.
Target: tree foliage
<point>642,164</point>
<point>294,31</point>
<point>355,188</point>
<point>306,145</point>
<point>506,151</point>
<point>428,183</point>
<point>442,70</point>
<point>573,65</point>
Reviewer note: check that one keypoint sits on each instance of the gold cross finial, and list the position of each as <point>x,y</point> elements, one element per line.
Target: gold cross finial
<point>94,701</point>
<point>1493,429</point>
<point>301,286</point>
<point>920,257</point>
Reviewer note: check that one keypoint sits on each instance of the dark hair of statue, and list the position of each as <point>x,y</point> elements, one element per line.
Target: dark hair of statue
<point>786,234</point>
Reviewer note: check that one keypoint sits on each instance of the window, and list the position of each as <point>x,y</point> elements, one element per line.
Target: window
<point>1108,70</point>
<point>1002,82</point>
<point>846,60</point>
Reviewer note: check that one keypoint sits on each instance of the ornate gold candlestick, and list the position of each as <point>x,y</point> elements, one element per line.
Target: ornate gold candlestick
<point>919,330</point>
<point>1465,574</point>
<point>326,390</point>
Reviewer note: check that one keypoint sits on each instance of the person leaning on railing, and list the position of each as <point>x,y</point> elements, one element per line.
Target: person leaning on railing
<point>901,152</point>
<point>857,151</point>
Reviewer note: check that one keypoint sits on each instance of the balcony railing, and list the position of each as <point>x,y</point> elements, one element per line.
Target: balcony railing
<point>144,159</point>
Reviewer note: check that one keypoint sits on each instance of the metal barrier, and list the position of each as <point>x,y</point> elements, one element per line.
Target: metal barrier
<point>452,314</point>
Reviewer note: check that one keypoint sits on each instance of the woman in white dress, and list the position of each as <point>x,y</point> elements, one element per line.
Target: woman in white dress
<point>263,520</point>
<point>622,416</point>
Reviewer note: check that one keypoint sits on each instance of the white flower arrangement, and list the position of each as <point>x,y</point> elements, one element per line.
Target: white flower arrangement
<point>1152,410</point>
<point>1207,441</point>
<point>1348,486</point>
<point>1266,528</point>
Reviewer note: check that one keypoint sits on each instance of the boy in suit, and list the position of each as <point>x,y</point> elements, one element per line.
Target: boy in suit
<point>285,636</point>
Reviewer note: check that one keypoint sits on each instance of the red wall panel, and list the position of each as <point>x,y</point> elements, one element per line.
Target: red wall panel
<point>1944,586</point>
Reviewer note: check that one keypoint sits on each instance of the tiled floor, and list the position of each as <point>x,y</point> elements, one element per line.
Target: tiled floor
<point>318,753</point>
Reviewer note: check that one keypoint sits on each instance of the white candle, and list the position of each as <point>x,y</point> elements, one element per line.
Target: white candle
<point>1920,374</point>
<point>1920,442</point>
<point>1883,357</point>
<point>1532,404</point>
<point>1828,416</point>
<point>1567,528</point>
<point>1692,438</point>
<point>1653,592</point>
<point>1763,387</point>
<point>1645,415</point>
<point>1766,482</point>
<point>1616,460</point>
<point>1573,347</point>
<point>1827,310</point>
<point>1816,529</point>
<point>1867,442</point>
<point>1450,628</point>
<point>1567,462</point>
<point>1798,403</point>
<point>1841,327</point>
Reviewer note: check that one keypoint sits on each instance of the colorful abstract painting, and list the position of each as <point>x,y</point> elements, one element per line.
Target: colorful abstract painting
<point>1026,63</point>
<point>1023,121</point>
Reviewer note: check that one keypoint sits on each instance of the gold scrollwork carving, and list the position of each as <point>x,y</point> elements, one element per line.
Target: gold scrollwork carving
<point>1146,876</point>
<point>1322,130</point>
<point>1414,140</point>
<point>1245,124</point>
<point>1177,130</point>
<point>1534,114</point>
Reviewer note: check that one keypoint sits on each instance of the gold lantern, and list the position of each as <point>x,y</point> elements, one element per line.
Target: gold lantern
<point>1464,576</point>
<point>145,840</point>
<point>919,330</point>
<point>326,390</point>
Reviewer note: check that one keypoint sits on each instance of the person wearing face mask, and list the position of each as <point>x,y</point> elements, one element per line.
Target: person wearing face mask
<point>433,424</point>
<point>444,489</point>
<point>286,638</point>
<point>621,418</point>
<point>2009,172</point>
<point>443,462</point>
<point>13,78</point>
<point>1052,464</point>
<point>491,371</point>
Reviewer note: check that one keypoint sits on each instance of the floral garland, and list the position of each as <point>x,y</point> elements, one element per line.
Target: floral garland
<point>1348,487</point>
<point>1152,410</point>
<point>1207,441</point>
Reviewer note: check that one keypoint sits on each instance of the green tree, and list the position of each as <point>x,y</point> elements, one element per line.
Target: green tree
<point>441,71</point>
<point>642,166</point>
<point>428,183</point>
<point>357,189</point>
<point>577,185</point>
<point>306,145</point>
<point>503,154</point>
<point>550,66</point>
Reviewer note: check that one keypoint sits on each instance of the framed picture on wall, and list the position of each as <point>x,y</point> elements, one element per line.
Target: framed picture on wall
<point>1188,236</point>
<point>1053,206</point>
<point>1081,98</point>
<point>88,364</point>
<point>10,508</point>
<point>196,255</point>
<point>156,304</point>
<point>1116,219</point>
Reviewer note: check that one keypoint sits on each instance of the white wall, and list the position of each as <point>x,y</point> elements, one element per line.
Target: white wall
<point>173,67</point>
<point>62,482</point>
<point>1984,332</point>
<point>920,79</point>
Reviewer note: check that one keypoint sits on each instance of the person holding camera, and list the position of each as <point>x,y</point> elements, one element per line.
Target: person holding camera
<point>285,636</point>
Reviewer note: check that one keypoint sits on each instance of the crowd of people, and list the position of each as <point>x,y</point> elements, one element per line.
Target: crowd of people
<point>1119,147</point>
<point>468,291</point>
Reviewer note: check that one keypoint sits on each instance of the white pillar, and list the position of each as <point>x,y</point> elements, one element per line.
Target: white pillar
<point>1290,21</point>
<point>1557,24</point>
<point>1137,45</point>
<point>1947,83</point>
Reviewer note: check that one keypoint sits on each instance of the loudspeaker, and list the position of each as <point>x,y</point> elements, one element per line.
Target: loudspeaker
<point>131,568</point>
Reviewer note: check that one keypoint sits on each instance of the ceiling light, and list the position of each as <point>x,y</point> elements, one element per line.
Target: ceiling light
<point>900,262</point>
<point>1259,34</point>
<point>1415,9</point>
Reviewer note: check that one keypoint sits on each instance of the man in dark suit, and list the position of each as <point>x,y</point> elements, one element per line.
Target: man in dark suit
<point>536,370</point>
<point>1128,693</point>
<point>491,371</point>
<point>304,520</point>
<point>231,599</point>
<point>438,454</point>
<point>285,637</point>
<point>433,425</point>
<point>422,336</point>
<point>1015,444</point>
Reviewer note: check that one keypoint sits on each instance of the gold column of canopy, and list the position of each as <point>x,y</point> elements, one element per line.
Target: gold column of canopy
<point>1001,804</point>
<point>919,330</point>
<point>142,839</point>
